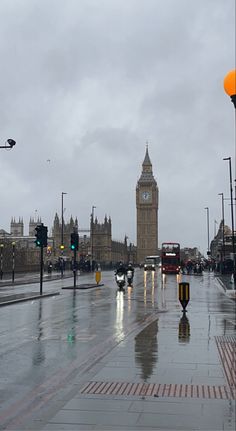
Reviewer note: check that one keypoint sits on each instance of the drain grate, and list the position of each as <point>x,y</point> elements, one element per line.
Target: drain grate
<point>227,350</point>
<point>156,390</point>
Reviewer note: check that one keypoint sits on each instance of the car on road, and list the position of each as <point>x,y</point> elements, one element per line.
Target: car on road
<point>149,264</point>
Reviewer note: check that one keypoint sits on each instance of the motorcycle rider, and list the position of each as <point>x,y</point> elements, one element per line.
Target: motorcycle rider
<point>120,275</point>
<point>121,269</point>
<point>130,269</point>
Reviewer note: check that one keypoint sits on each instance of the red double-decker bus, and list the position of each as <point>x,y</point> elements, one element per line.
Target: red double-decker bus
<point>170,258</point>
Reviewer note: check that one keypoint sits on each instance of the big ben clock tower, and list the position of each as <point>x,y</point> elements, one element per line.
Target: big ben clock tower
<point>147,212</point>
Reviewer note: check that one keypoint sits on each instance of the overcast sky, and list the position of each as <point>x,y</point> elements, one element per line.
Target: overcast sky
<point>85,83</point>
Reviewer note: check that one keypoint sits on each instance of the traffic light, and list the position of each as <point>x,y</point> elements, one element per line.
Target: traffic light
<point>45,236</point>
<point>74,241</point>
<point>38,236</point>
<point>41,236</point>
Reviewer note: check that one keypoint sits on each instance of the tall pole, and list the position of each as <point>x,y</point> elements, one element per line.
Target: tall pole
<point>62,218</point>
<point>61,260</point>
<point>231,205</point>
<point>230,89</point>
<point>1,263</point>
<point>41,269</point>
<point>208,238</point>
<point>223,226</point>
<point>92,222</point>
<point>13,262</point>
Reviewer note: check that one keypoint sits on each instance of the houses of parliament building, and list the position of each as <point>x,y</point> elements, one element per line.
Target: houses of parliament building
<point>95,243</point>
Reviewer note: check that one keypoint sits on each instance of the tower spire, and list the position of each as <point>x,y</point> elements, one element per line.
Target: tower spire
<point>147,161</point>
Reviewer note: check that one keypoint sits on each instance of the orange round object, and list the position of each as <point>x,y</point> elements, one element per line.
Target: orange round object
<point>230,83</point>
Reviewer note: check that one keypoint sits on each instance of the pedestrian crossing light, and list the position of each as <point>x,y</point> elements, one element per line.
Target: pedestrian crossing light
<point>74,241</point>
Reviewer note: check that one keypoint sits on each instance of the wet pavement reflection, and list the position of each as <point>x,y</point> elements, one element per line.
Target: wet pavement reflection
<point>184,329</point>
<point>47,342</point>
<point>146,350</point>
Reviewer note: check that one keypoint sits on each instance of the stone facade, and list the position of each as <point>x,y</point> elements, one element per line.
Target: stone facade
<point>68,228</point>
<point>147,197</point>
<point>17,228</point>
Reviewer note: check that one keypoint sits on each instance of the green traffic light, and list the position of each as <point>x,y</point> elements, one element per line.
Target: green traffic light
<point>72,247</point>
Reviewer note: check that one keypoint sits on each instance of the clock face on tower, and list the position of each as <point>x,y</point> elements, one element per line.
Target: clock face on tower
<point>146,196</point>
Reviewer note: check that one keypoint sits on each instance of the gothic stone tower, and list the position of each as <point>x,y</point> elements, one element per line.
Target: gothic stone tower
<point>101,239</point>
<point>17,228</point>
<point>147,212</point>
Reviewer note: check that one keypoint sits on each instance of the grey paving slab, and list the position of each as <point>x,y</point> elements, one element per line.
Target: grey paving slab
<point>68,427</point>
<point>210,370</point>
<point>221,411</point>
<point>98,418</point>
<point>180,422</point>
<point>166,407</point>
<point>103,404</point>
<point>122,373</point>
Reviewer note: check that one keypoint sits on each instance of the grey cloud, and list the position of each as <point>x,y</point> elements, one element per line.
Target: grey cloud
<point>87,83</point>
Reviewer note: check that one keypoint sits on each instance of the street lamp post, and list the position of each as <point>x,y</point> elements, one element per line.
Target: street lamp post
<point>1,261</point>
<point>230,89</point>
<point>61,260</point>
<point>62,218</point>
<point>232,208</point>
<point>230,85</point>
<point>223,227</point>
<point>13,261</point>
<point>92,223</point>
<point>208,238</point>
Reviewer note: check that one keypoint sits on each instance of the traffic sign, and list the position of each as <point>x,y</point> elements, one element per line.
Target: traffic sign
<point>184,294</point>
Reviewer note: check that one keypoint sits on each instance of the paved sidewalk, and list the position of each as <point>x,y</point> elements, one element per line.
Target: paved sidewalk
<point>24,287</point>
<point>9,292</point>
<point>177,372</point>
<point>31,277</point>
<point>169,371</point>
<point>227,284</point>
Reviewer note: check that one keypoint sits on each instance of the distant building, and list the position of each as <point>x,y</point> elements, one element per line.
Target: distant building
<point>221,246</point>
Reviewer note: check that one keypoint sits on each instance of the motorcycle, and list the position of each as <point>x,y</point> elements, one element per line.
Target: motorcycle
<point>120,280</point>
<point>197,269</point>
<point>129,277</point>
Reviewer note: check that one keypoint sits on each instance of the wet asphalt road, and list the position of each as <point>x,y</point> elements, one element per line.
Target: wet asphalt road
<point>46,343</point>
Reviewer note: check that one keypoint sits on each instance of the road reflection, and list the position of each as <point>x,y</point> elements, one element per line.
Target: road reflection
<point>119,324</point>
<point>71,334</point>
<point>149,277</point>
<point>184,329</point>
<point>38,351</point>
<point>129,295</point>
<point>146,350</point>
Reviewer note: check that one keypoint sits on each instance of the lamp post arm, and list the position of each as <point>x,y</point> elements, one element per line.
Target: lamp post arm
<point>10,142</point>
